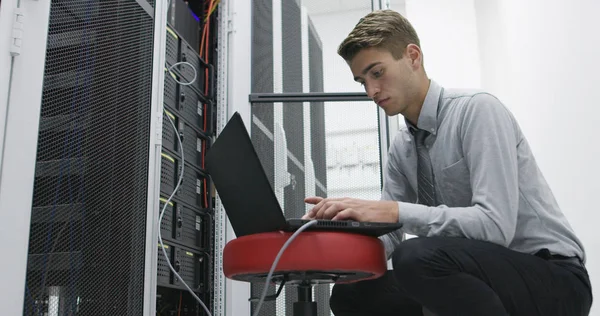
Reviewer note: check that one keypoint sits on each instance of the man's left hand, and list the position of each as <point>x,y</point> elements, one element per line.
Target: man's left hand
<point>352,209</point>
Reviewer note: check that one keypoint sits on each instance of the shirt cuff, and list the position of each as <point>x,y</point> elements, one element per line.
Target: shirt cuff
<point>412,215</point>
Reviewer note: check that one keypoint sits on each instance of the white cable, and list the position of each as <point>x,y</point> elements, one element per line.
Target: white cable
<point>162,213</point>
<point>184,63</point>
<point>276,261</point>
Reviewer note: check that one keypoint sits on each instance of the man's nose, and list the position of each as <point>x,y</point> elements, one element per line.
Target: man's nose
<point>371,90</point>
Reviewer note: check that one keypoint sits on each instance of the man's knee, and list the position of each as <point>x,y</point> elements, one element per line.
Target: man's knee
<point>416,258</point>
<point>341,298</point>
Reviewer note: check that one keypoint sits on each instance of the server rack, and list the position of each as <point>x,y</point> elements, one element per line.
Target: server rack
<point>88,231</point>
<point>187,227</point>
<point>86,253</point>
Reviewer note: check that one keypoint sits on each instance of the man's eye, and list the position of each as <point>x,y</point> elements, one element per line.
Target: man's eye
<point>377,73</point>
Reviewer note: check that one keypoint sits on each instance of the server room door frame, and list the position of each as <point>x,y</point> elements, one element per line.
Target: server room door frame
<point>20,101</point>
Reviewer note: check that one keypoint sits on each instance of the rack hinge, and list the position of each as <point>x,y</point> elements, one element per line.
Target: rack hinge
<point>16,39</point>
<point>158,130</point>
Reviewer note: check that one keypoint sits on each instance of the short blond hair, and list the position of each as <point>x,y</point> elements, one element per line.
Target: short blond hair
<point>385,29</point>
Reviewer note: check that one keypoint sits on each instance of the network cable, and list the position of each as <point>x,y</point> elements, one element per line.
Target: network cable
<point>276,261</point>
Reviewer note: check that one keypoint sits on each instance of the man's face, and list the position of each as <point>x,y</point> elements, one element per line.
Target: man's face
<point>389,82</point>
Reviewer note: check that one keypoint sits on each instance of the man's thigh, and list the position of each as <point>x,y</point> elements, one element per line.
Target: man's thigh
<point>381,296</point>
<point>525,284</point>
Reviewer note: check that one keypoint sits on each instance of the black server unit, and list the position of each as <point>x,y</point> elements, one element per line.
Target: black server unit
<point>88,227</point>
<point>187,227</point>
<point>185,21</point>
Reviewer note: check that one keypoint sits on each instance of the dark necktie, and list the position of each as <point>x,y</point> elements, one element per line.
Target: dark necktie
<point>426,190</point>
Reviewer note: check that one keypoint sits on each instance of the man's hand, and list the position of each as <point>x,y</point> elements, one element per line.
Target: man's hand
<point>352,209</point>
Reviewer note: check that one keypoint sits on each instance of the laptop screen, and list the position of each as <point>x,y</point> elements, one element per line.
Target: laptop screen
<point>241,182</point>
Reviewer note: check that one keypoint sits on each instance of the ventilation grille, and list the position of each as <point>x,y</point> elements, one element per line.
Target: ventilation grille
<point>168,175</point>
<point>87,235</point>
<point>166,226</point>
<point>163,271</point>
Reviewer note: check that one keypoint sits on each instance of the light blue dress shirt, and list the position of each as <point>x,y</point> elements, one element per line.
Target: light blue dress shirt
<point>488,184</point>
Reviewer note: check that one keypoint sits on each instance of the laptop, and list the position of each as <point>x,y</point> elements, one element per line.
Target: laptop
<point>247,196</point>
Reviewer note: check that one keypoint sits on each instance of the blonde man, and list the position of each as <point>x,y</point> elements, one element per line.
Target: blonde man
<point>462,177</point>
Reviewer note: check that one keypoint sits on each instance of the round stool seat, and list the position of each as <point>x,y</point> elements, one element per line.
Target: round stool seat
<point>315,256</point>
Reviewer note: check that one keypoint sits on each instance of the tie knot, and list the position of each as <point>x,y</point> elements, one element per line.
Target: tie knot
<point>420,136</point>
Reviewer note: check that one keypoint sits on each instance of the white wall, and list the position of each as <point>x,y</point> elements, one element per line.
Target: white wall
<point>448,33</point>
<point>541,58</point>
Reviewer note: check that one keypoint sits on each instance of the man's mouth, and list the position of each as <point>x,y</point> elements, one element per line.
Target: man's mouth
<point>382,102</point>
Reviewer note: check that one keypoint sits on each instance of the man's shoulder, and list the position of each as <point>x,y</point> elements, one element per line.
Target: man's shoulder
<point>467,94</point>
<point>469,100</point>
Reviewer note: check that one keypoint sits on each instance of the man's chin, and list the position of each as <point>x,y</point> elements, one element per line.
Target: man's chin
<point>390,112</point>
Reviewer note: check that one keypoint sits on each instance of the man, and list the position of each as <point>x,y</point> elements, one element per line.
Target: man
<point>462,177</point>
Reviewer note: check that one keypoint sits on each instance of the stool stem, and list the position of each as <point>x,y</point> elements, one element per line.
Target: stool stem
<point>304,293</point>
<point>305,306</point>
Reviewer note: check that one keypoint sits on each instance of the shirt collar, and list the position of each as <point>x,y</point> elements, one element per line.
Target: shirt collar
<point>428,116</point>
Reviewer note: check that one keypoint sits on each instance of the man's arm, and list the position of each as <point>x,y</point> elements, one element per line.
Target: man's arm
<point>489,137</point>
<point>395,188</point>
<point>489,143</point>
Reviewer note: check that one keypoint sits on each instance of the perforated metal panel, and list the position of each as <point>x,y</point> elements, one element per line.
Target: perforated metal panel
<point>171,90</point>
<point>331,149</point>
<point>86,248</point>
<point>163,271</point>
<point>167,224</point>
<point>168,173</point>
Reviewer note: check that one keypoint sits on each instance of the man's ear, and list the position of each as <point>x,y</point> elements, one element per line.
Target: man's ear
<point>413,52</point>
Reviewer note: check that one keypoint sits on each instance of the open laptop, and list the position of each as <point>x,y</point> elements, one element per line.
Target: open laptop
<point>249,200</point>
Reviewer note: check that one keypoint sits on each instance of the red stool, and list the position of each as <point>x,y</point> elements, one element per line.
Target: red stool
<point>312,257</point>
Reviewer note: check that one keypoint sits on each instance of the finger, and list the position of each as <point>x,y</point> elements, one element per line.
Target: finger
<point>347,214</point>
<point>307,216</point>
<point>318,209</point>
<point>313,199</point>
<point>312,213</point>
<point>332,208</point>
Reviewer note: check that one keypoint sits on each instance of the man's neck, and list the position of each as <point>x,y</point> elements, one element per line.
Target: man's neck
<point>414,109</point>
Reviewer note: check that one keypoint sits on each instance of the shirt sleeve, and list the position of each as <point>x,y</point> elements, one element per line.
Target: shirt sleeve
<point>489,136</point>
<point>395,188</point>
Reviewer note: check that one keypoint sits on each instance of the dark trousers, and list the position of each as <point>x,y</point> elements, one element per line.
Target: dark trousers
<point>458,276</point>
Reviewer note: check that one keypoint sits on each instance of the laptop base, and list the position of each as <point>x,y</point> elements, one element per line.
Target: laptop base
<point>361,228</point>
